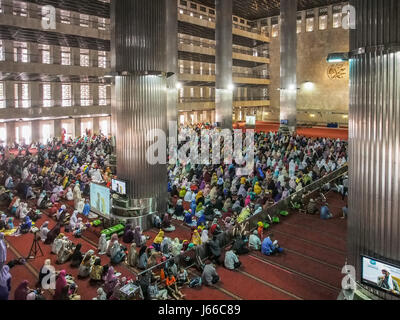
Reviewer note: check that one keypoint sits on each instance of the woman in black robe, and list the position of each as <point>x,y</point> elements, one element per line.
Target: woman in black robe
<point>53,233</point>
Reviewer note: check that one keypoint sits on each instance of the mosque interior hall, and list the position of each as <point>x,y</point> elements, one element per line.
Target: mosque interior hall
<point>199,150</point>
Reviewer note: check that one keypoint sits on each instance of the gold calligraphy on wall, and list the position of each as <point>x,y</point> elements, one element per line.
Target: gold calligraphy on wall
<point>337,71</point>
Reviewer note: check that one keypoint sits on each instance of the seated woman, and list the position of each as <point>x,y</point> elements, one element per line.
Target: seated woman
<point>117,253</point>
<point>254,241</point>
<point>22,291</point>
<point>76,257</point>
<point>139,238</point>
<point>132,259</point>
<point>176,247</point>
<point>143,257</point>
<point>57,243</point>
<point>158,240</point>
<point>110,282</point>
<point>102,246</point>
<point>26,226</point>
<point>53,234</point>
<point>97,271</point>
<point>61,284</point>
<point>65,252</point>
<point>101,295</point>
<point>79,228</point>
<point>114,238</point>
<point>42,200</point>
<point>84,268</point>
<point>268,247</point>
<point>69,196</point>
<point>128,236</point>
<point>166,223</point>
<point>44,230</point>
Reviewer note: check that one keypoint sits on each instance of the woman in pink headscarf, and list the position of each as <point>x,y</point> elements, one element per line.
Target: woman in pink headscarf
<point>22,291</point>
<point>111,282</point>
<point>247,201</point>
<point>114,238</point>
<point>60,284</point>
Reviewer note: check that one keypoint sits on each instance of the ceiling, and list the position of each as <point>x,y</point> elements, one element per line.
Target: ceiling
<point>256,9</point>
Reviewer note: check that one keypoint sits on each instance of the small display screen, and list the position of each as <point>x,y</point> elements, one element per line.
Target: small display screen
<point>100,198</point>
<point>381,275</point>
<point>118,186</point>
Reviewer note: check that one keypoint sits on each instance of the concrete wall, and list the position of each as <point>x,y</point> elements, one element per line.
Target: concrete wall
<point>326,95</point>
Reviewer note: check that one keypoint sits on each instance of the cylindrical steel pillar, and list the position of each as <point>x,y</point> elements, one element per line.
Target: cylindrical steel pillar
<point>139,105</point>
<point>223,63</point>
<point>172,60</point>
<point>374,133</point>
<point>288,91</point>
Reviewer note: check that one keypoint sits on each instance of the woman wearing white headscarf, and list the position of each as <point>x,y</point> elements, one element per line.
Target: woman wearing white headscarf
<point>101,295</point>
<point>86,264</point>
<point>204,236</point>
<point>132,259</point>
<point>57,243</point>
<point>102,247</point>
<point>176,247</point>
<point>44,230</point>
<point>74,220</point>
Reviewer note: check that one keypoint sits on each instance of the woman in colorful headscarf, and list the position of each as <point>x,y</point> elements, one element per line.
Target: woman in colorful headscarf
<point>117,253</point>
<point>110,282</point>
<point>128,236</point>
<point>22,291</point>
<point>196,239</point>
<point>61,283</point>
<point>139,238</point>
<point>5,282</point>
<point>158,240</point>
<point>114,238</point>
<point>86,264</point>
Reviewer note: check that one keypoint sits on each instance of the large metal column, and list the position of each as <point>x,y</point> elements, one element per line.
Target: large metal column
<point>223,64</point>
<point>138,43</point>
<point>172,61</point>
<point>288,93</point>
<point>374,133</point>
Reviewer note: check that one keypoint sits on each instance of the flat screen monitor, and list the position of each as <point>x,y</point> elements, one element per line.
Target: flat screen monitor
<point>118,186</point>
<point>380,275</point>
<point>285,122</point>
<point>250,120</point>
<point>100,199</point>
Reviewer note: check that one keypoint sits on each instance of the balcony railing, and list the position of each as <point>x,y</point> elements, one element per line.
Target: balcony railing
<point>203,44</point>
<point>38,58</point>
<point>208,72</point>
<point>92,22</point>
<point>212,99</point>
<point>67,103</point>
<point>205,16</point>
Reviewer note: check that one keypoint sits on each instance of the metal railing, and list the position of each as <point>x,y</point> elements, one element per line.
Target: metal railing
<point>212,99</point>
<point>208,72</point>
<point>207,17</point>
<point>29,12</point>
<point>38,58</point>
<point>202,44</point>
<point>284,204</point>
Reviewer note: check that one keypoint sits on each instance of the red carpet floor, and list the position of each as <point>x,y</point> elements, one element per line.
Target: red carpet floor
<point>314,132</point>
